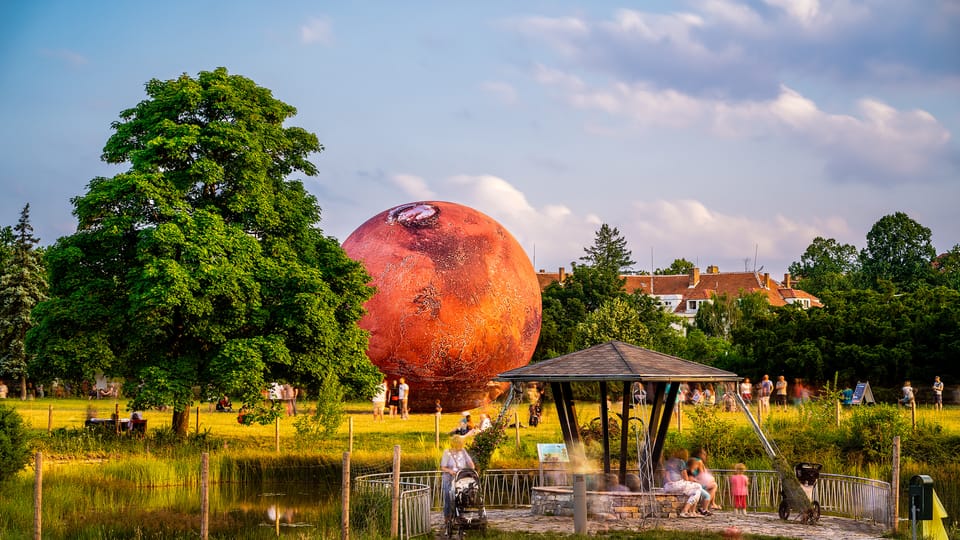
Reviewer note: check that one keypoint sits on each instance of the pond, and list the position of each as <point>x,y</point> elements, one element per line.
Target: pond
<point>295,510</point>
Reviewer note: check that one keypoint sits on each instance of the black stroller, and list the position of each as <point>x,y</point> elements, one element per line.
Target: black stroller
<point>807,474</point>
<point>536,409</point>
<point>468,510</point>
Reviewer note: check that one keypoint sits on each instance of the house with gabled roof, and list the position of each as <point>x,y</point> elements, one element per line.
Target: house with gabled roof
<point>683,294</point>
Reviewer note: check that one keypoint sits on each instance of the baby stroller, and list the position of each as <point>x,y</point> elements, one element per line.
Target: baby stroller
<point>536,409</point>
<point>468,510</point>
<point>807,474</point>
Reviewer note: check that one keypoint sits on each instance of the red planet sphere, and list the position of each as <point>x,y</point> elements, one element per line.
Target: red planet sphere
<point>457,301</point>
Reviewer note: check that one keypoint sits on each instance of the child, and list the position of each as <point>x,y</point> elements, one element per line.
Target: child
<point>739,484</point>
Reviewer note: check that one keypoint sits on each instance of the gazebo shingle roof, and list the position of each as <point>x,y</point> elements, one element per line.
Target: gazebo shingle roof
<point>616,361</point>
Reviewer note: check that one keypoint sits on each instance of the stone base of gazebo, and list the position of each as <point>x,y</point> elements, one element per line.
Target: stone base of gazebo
<point>558,501</point>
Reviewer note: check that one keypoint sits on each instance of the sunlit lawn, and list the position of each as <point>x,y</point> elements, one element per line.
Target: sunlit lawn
<point>416,434</point>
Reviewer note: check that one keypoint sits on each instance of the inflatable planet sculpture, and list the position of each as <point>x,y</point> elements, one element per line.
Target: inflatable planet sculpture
<point>457,301</point>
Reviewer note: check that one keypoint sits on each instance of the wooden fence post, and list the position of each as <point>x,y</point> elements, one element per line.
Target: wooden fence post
<point>680,417</point>
<point>436,430</point>
<point>38,498</point>
<point>50,419</point>
<point>913,414</point>
<point>395,495</point>
<point>276,434</point>
<point>345,491</point>
<point>516,425</point>
<point>204,495</point>
<point>895,486</point>
<point>198,419</point>
<point>350,433</point>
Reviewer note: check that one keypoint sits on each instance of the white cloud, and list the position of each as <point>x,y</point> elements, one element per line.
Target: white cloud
<point>687,228</point>
<point>316,30</point>
<point>503,92</point>
<point>414,186</point>
<point>883,143</point>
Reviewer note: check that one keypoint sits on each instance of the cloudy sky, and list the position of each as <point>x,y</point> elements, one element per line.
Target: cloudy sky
<point>717,131</point>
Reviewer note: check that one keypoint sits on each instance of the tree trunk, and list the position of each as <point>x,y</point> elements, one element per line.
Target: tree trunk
<point>23,387</point>
<point>181,422</point>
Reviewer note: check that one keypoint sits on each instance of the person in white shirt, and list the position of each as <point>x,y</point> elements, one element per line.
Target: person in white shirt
<point>379,400</point>
<point>937,394</point>
<point>454,460</point>
<point>404,399</point>
<point>908,399</point>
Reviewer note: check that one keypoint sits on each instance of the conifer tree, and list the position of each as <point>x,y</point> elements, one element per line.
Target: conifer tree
<point>23,285</point>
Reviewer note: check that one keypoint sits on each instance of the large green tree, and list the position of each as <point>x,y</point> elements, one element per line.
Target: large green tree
<point>609,251</point>
<point>898,250</point>
<point>826,265</point>
<point>23,285</point>
<point>202,265</point>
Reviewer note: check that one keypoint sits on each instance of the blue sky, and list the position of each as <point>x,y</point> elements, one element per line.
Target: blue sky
<point>711,130</point>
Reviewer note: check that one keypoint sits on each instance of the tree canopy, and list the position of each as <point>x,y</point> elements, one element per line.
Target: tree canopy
<point>826,265</point>
<point>202,265</point>
<point>898,250</point>
<point>609,251</point>
<point>676,268</point>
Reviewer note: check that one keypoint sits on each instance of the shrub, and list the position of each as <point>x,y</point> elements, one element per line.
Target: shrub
<point>328,415</point>
<point>872,429</point>
<point>14,448</point>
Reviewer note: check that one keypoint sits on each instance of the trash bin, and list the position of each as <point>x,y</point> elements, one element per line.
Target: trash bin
<point>921,497</point>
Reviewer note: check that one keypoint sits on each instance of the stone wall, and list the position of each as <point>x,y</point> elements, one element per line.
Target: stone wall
<point>558,501</point>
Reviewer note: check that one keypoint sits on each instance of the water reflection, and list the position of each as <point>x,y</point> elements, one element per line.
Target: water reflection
<point>280,507</point>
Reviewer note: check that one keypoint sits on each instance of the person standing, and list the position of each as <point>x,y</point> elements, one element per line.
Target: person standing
<point>937,394</point>
<point>454,460</point>
<point>3,390</point>
<point>404,399</point>
<point>379,400</point>
<point>780,389</point>
<point>766,388</point>
<point>739,486</point>
<point>746,390</point>
<point>394,398</point>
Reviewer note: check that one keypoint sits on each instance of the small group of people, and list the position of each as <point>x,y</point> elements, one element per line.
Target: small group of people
<point>396,396</point>
<point>466,427</point>
<point>689,476</point>
<point>909,398</point>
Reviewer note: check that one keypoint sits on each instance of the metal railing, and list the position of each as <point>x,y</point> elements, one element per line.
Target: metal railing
<point>838,495</point>
<point>415,501</point>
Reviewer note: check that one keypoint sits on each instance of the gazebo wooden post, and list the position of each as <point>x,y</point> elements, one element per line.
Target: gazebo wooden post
<point>624,431</point>
<point>558,400</point>
<point>605,426</point>
<point>664,422</point>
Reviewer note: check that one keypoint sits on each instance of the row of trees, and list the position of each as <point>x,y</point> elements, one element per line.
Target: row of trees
<point>890,312</point>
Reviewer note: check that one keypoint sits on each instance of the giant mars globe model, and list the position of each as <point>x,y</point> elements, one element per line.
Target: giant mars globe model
<point>457,301</point>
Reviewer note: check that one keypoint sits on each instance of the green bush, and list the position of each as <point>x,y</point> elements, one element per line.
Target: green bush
<point>328,415</point>
<point>872,429</point>
<point>14,447</point>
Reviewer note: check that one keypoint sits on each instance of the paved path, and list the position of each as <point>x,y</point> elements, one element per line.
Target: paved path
<point>754,523</point>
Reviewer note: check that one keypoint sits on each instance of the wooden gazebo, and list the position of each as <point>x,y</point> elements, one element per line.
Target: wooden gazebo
<point>619,363</point>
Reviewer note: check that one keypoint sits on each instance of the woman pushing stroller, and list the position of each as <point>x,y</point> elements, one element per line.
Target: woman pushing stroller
<point>454,460</point>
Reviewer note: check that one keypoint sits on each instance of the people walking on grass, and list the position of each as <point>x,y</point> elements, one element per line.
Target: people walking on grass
<point>780,393</point>
<point>739,487</point>
<point>379,400</point>
<point>937,394</point>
